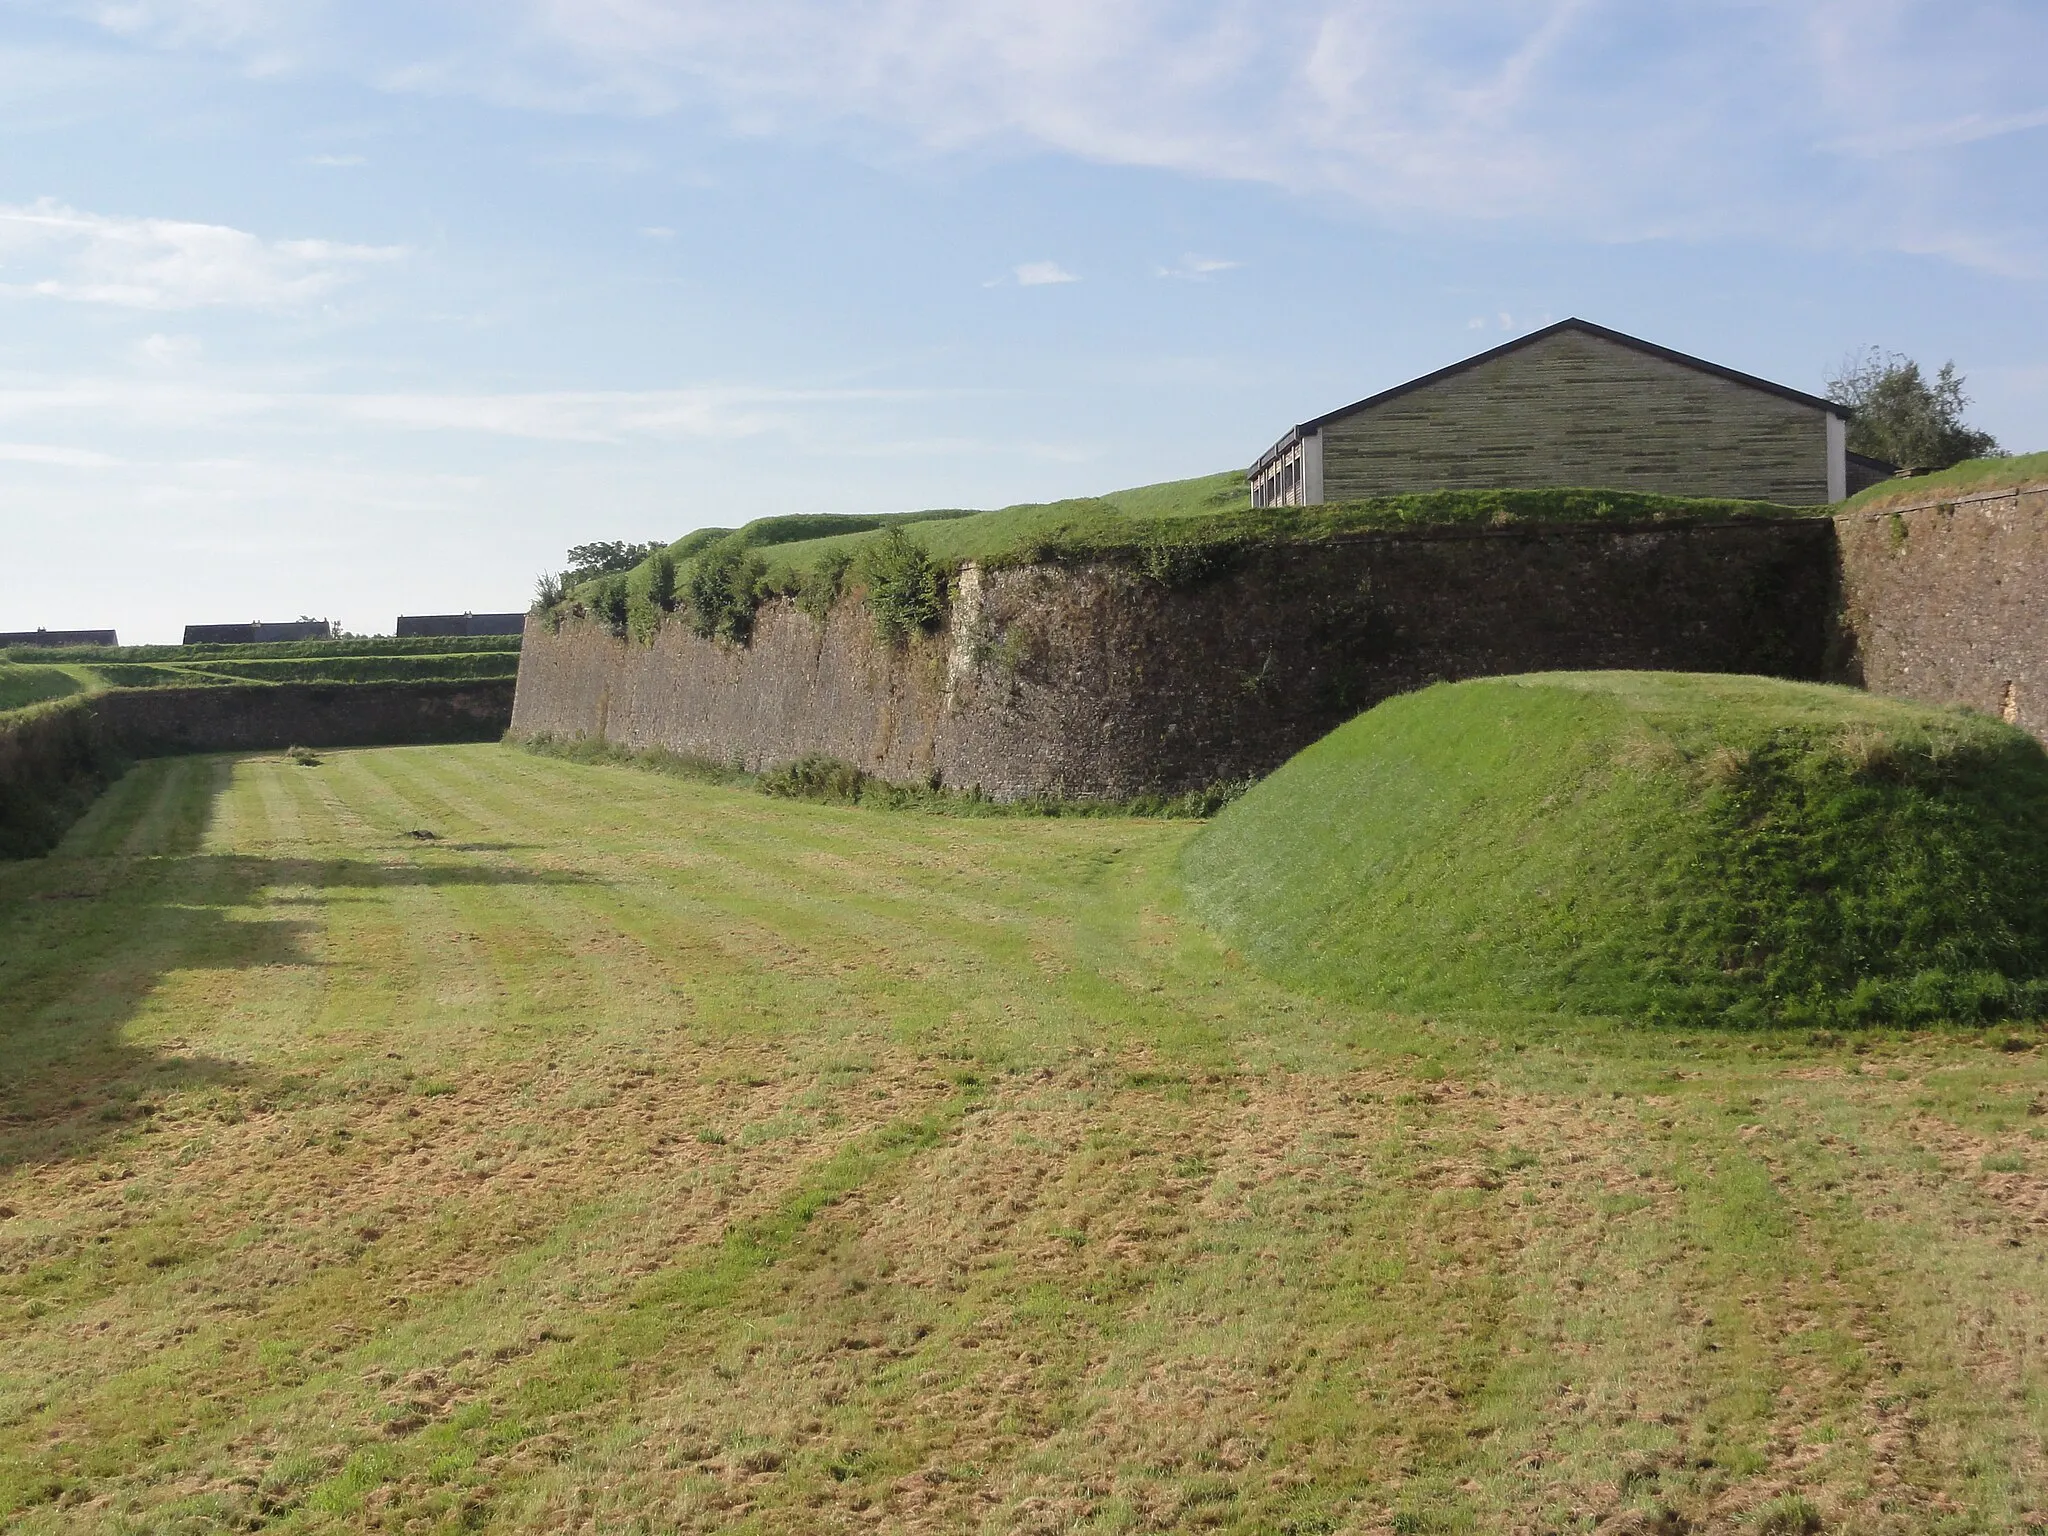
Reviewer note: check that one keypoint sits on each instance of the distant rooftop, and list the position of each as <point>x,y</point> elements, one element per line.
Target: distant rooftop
<point>58,637</point>
<point>258,633</point>
<point>452,624</point>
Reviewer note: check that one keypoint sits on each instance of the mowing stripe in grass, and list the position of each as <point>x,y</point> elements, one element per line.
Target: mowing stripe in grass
<point>599,1364</point>
<point>166,823</point>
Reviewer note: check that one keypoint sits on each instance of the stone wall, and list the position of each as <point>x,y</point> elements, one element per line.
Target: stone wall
<point>1098,681</point>
<point>1946,601</point>
<point>152,722</point>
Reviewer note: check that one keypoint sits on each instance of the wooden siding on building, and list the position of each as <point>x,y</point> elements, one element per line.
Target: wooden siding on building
<point>1573,409</point>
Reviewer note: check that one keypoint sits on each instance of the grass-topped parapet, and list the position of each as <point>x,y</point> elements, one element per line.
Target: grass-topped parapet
<point>1656,846</point>
<point>33,675</point>
<point>1967,481</point>
<point>902,566</point>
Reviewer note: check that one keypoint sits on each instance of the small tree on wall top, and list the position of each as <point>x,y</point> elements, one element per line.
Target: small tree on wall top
<point>906,590</point>
<point>661,582</point>
<point>604,559</point>
<point>723,590</point>
<point>1903,418</point>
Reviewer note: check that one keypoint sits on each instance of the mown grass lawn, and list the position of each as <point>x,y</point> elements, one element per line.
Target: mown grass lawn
<point>636,1155</point>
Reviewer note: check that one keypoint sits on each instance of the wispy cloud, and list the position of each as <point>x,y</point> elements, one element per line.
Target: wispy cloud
<point>1944,133</point>
<point>1775,119</point>
<point>1197,269</point>
<point>53,251</point>
<point>56,455</point>
<point>161,351</point>
<point>589,416</point>
<point>1042,274</point>
<point>271,36</point>
<point>337,162</point>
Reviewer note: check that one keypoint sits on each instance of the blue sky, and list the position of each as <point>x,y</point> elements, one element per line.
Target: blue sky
<point>359,309</point>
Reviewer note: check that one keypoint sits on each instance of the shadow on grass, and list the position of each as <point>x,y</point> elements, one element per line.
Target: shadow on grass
<point>87,937</point>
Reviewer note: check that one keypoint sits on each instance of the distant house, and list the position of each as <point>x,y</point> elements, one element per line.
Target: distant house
<point>59,637</point>
<point>258,633</point>
<point>1573,404</point>
<point>452,624</point>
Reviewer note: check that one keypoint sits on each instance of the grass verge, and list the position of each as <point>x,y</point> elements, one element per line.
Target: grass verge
<point>831,781</point>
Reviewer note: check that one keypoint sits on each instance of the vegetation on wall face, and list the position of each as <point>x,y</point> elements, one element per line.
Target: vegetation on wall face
<point>650,596</point>
<point>723,591</point>
<point>818,588</point>
<point>1904,418</point>
<point>829,780</point>
<point>608,602</point>
<point>905,589</point>
<point>661,581</point>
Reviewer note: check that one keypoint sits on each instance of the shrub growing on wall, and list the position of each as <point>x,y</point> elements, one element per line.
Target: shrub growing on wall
<point>661,582</point>
<point>819,587</point>
<point>609,602</point>
<point>646,605</point>
<point>906,590</point>
<point>723,591</point>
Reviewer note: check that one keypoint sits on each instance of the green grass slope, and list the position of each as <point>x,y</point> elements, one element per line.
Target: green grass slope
<point>1972,477</point>
<point>1653,845</point>
<point>368,669</point>
<point>1209,511</point>
<point>21,686</point>
<point>31,676</point>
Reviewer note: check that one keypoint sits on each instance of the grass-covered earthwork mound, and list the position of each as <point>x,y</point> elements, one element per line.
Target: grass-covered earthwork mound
<point>32,675</point>
<point>1663,846</point>
<point>1173,531</point>
<point>22,686</point>
<point>1972,477</point>
<point>276,650</point>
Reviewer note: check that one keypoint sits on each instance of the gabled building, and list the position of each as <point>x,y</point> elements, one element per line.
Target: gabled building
<point>259,633</point>
<point>1573,404</point>
<point>58,637</point>
<point>411,625</point>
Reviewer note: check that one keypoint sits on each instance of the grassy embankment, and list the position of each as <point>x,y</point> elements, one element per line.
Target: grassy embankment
<point>1659,845</point>
<point>1974,477</point>
<point>31,675</point>
<point>23,686</point>
<point>646,1155</point>
<point>1161,523</point>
